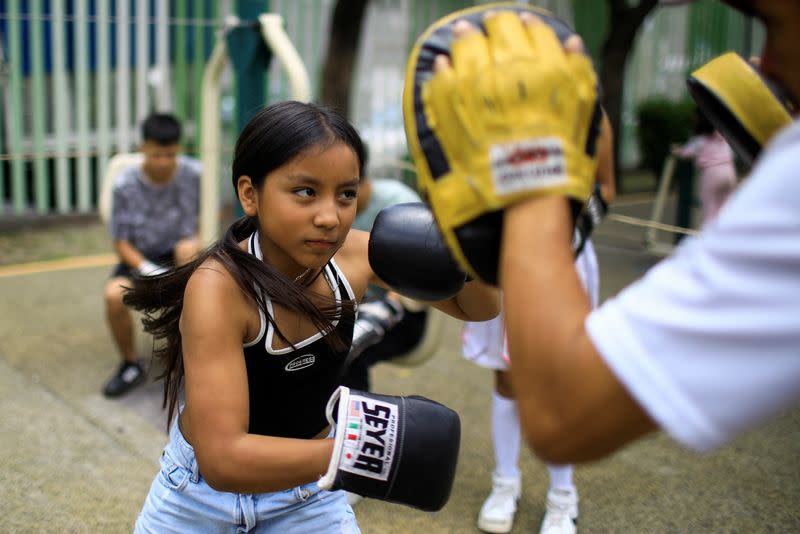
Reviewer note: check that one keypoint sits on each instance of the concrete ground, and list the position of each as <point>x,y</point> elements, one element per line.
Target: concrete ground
<point>73,461</point>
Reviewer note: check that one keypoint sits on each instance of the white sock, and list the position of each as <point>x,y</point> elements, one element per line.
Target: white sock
<point>561,477</point>
<point>505,435</point>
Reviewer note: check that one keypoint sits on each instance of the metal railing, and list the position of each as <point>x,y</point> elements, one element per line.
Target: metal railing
<point>77,77</point>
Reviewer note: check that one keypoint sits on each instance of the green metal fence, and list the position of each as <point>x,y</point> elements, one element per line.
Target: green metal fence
<point>77,76</point>
<point>80,75</point>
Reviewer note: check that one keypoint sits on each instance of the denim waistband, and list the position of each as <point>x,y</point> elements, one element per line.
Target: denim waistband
<point>181,451</point>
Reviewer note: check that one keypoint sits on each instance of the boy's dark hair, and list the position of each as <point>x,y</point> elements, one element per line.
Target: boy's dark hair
<point>161,128</point>
<point>272,138</point>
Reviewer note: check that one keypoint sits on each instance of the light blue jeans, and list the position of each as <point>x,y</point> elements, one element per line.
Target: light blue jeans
<point>181,502</point>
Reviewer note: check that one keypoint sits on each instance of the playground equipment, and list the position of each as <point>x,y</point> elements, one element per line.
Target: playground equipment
<point>654,224</point>
<point>270,27</point>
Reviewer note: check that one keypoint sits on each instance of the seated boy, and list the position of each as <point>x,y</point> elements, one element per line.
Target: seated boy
<point>154,225</point>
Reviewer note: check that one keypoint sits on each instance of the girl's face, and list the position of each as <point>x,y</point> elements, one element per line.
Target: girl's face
<point>305,208</point>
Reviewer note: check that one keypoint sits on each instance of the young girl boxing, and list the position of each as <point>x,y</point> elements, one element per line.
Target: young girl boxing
<point>256,330</point>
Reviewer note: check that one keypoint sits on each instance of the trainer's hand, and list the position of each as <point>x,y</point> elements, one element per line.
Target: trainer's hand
<point>516,115</point>
<point>521,104</point>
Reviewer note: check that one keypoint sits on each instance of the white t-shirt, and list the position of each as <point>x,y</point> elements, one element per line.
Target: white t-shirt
<point>708,342</point>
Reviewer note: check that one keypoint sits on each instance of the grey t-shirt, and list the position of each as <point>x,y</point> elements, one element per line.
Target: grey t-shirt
<point>154,217</point>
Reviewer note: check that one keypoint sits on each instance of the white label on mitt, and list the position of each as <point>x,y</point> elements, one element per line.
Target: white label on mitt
<point>527,165</point>
<point>370,438</point>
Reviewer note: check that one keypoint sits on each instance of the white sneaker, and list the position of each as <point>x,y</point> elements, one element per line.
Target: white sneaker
<point>562,512</point>
<point>497,512</point>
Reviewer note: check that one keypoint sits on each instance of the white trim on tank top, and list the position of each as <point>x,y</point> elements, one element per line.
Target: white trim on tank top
<point>254,247</point>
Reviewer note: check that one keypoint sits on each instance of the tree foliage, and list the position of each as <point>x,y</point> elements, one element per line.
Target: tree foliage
<point>623,23</point>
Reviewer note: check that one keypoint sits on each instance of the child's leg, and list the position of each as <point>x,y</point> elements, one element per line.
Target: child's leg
<point>560,477</point>
<point>497,512</point>
<point>506,434</point>
<point>119,318</point>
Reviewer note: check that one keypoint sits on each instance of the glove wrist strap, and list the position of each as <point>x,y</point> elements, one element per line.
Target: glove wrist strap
<point>342,395</point>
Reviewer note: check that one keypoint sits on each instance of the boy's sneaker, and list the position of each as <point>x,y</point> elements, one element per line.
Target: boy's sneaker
<point>129,375</point>
<point>497,512</point>
<point>561,516</point>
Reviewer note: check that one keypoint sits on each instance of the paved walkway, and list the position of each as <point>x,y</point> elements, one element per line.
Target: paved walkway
<point>73,461</point>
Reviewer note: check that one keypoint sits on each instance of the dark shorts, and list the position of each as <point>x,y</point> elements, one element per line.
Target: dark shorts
<point>122,269</point>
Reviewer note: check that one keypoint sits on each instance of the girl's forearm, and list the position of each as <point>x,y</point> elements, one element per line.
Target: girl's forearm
<point>478,301</point>
<point>259,464</point>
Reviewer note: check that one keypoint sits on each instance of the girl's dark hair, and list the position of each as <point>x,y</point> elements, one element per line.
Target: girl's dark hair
<point>276,135</point>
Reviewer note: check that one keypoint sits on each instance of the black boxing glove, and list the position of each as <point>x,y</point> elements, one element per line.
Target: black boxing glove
<point>397,449</point>
<point>406,250</point>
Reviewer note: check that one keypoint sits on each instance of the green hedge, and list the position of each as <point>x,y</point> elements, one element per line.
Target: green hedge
<point>662,122</point>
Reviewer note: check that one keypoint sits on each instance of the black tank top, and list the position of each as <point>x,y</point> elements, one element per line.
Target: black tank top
<point>290,388</point>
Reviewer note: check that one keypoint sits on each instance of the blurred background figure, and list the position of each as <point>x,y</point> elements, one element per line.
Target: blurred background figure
<point>713,159</point>
<point>154,226</point>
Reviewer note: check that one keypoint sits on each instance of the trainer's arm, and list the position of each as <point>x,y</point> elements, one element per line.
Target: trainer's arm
<point>572,408</point>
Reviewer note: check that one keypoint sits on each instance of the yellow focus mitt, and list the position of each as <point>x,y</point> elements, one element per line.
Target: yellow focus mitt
<point>514,117</point>
<point>743,106</point>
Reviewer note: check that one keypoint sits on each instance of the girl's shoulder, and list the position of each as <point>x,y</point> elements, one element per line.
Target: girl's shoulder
<point>213,304</point>
<point>213,280</point>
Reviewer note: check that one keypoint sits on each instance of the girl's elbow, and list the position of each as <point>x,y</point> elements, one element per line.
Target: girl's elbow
<point>217,478</point>
<point>216,473</point>
<point>489,307</point>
